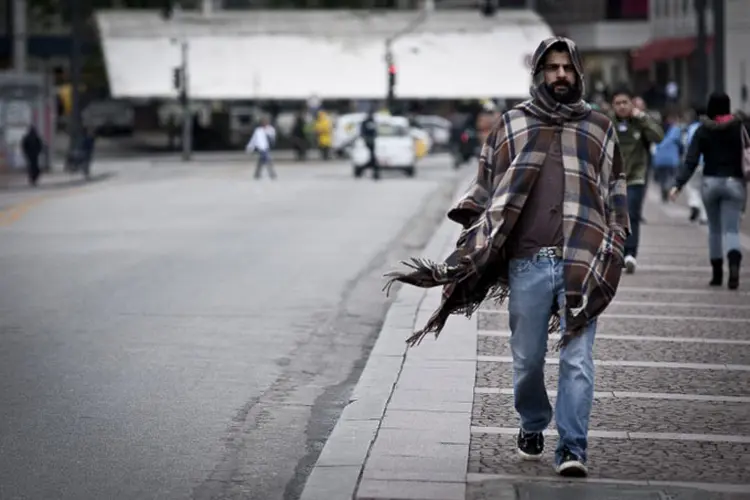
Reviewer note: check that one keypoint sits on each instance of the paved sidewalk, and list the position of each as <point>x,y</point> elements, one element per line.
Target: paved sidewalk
<point>671,418</point>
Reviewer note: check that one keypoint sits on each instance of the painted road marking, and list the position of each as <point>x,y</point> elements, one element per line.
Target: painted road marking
<point>638,364</point>
<point>474,477</point>
<point>656,436</point>
<point>655,317</point>
<point>648,338</point>
<point>635,395</point>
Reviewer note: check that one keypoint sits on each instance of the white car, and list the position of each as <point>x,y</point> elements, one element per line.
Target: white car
<point>346,132</point>
<point>394,147</point>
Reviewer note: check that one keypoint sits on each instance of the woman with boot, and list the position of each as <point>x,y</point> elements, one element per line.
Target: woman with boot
<point>724,190</point>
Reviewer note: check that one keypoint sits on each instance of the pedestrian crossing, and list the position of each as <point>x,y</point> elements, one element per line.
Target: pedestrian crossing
<point>672,357</point>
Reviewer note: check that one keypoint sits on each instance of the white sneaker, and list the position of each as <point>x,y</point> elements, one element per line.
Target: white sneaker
<point>630,264</point>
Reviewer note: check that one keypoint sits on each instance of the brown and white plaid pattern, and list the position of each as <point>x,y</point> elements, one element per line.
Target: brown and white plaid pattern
<point>595,216</point>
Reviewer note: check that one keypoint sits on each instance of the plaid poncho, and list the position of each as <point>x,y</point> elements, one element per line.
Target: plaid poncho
<point>595,217</point>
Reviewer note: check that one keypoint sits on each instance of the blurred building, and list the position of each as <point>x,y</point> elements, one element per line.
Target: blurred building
<point>606,31</point>
<point>670,55</point>
<point>737,56</point>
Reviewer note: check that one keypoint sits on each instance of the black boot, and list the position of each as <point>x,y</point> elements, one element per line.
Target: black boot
<point>717,267</point>
<point>734,257</point>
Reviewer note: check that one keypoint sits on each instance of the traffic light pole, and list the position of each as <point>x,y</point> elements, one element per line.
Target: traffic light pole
<point>700,79</point>
<point>390,65</point>
<point>75,120</point>
<point>719,45</point>
<point>187,119</point>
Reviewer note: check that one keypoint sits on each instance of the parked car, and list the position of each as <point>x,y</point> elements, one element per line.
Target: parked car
<point>395,147</point>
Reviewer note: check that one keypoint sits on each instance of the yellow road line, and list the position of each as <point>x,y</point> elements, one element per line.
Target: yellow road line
<point>15,212</point>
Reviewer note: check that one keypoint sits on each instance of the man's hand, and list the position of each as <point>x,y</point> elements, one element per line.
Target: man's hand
<point>637,113</point>
<point>674,193</point>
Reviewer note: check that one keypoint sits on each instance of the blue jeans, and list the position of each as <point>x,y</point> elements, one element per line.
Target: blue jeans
<point>636,193</point>
<point>724,199</point>
<point>535,284</point>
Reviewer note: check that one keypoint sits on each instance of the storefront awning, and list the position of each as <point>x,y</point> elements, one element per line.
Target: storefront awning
<point>665,49</point>
<point>328,54</point>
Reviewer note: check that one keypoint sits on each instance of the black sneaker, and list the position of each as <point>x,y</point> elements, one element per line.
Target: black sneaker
<point>571,465</point>
<point>530,445</point>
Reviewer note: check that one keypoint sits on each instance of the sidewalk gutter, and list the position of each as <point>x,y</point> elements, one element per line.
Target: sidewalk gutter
<point>403,401</point>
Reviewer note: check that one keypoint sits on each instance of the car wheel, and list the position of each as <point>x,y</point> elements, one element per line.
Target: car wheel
<point>357,172</point>
<point>410,171</point>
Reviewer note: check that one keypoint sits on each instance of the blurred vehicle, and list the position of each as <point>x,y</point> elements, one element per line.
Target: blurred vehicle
<point>438,128</point>
<point>395,147</point>
<point>346,132</point>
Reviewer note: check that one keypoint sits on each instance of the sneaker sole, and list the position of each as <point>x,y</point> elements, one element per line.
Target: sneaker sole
<point>573,468</point>
<point>529,457</point>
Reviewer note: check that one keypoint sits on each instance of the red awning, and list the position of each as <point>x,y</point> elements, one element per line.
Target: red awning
<point>665,49</point>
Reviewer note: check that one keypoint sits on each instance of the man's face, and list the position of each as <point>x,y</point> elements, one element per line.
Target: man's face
<point>623,106</point>
<point>559,74</point>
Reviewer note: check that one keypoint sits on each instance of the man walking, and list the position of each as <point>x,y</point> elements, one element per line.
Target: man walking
<point>544,222</point>
<point>261,142</point>
<point>693,187</point>
<point>369,132</point>
<point>32,147</point>
<point>635,130</point>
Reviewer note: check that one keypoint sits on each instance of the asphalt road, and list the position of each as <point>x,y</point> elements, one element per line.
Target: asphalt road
<point>190,333</point>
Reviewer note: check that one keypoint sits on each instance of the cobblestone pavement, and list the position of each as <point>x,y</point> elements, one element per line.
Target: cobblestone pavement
<point>672,405</point>
<point>671,418</point>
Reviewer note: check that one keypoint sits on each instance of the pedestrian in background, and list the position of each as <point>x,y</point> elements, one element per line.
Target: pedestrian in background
<point>261,143</point>
<point>719,140</point>
<point>693,186</point>
<point>31,147</point>
<point>544,223</point>
<point>640,103</point>
<point>635,130</point>
<point>324,131</point>
<point>368,130</point>
<point>668,155</point>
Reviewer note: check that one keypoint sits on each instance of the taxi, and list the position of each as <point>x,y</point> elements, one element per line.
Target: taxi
<point>397,147</point>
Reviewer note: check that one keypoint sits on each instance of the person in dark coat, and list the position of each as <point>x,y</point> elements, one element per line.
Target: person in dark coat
<point>32,147</point>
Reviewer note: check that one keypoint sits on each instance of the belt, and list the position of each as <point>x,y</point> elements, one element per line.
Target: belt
<point>550,253</point>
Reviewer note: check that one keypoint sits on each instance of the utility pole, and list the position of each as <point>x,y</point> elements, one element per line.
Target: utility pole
<point>187,119</point>
<point>20,12</point>
<point>700,88</point>
<point>719,45</point>
<point>427,8</point>
<point>182,78</point>
<point>75,121</point>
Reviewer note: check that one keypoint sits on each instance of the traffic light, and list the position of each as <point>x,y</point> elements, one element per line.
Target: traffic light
<point>177,78</point>
<point>391,83</point>
<point>489,7</point>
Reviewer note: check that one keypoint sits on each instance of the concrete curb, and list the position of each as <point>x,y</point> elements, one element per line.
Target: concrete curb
<point>394,384</point>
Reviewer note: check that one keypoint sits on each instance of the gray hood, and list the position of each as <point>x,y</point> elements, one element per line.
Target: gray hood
<point>575,57</point>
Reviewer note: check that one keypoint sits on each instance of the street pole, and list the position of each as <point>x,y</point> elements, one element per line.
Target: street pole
<point>20,12</point>
<point>700,89</point>
<point>187,119</point>
<point>427,8</point>
<point>719,45</point>
<point>75,122</point>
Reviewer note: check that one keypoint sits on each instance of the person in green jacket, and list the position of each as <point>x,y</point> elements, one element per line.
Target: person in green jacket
<point>636,130</point>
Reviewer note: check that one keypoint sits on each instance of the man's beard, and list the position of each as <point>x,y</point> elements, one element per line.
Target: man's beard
<point>562,92</point>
